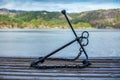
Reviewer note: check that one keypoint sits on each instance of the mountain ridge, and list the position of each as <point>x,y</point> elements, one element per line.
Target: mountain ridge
<point>44,19</point>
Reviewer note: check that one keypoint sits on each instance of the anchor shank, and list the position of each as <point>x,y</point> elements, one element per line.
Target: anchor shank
<point>64,12</point>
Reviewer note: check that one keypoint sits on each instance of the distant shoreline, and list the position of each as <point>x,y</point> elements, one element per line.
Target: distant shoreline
<point>35,30</point>
<point>96,19</point>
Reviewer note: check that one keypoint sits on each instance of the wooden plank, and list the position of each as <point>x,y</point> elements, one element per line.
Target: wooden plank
<point>51,78</point>
<point>61,74</point>
<point>60,71</point>
<point>18,69</point>
<point>97,65</point>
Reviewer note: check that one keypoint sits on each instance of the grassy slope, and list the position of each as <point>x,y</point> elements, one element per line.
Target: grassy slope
<point>43,19</point>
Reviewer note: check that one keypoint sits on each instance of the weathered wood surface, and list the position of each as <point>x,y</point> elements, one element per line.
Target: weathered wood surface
<point>18,69</point>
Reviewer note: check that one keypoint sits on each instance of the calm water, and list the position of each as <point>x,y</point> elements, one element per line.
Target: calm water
<point>33,43</point>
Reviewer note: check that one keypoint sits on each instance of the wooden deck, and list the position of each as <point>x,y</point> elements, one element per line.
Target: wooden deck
<point>18,69</point>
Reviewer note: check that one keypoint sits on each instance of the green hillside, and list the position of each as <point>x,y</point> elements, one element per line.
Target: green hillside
<point>44,19</point>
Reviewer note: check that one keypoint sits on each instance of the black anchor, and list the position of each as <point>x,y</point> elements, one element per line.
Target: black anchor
<point>82,41</point>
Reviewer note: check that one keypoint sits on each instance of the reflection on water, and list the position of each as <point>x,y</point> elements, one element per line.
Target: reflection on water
<point>32,43</point>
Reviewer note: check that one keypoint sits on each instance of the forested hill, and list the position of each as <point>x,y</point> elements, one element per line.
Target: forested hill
<point>44,19</point>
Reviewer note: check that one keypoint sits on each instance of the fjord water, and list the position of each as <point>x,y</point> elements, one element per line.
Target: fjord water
<point>33,43</point>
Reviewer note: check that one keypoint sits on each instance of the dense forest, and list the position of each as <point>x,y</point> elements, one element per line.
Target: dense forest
<point>100,19</point>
